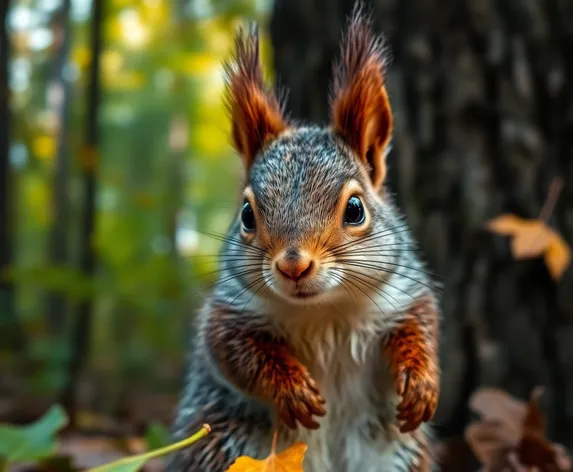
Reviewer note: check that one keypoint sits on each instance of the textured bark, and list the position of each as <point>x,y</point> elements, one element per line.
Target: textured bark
<point>484,121</point>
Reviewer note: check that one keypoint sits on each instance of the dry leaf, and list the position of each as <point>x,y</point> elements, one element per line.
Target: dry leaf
<point>557,256</point>
<point>489,441</point>
<point>533,238</point>
<point>290,460</point>
<point>511,434</point>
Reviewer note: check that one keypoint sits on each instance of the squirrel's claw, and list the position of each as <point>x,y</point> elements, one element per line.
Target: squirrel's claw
<point>419,391</point>
<point>300,402</point>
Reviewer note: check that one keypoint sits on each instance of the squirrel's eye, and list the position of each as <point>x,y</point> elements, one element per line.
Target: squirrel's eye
<point>248,217</point>
<point>354,214</point>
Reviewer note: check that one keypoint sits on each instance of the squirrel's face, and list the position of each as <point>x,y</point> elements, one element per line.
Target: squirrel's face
<point>311,204</point>
<point>309,198</point>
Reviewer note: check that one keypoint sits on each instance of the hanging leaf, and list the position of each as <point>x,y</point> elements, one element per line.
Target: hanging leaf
<point>533,238</point>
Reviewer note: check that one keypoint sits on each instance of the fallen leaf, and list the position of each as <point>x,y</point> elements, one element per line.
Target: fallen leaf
<point>511,434</point>
<point>534,422</point>
<point>495,405</point>
<point>533,238</point>
<point>290,460</point>
<point>489,441</point>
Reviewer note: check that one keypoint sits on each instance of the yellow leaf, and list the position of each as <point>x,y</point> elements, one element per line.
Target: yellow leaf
<point>44,147</point>
<point>81,56</point>
<point>558,256</point>
<point>290,460</point>
<point>533,238</point>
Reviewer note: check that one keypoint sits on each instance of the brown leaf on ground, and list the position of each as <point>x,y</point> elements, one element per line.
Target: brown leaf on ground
<point>511,435</point>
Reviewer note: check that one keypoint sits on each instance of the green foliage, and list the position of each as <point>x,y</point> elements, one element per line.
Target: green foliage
<point>33,442</point>
<point>134,463</point>
<point>165,168</point>
<point>156,436</point>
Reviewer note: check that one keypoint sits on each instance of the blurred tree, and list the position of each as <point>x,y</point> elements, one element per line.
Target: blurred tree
<point>90,160</point>
<point>483,109</point>
<point>60,89</point>
<point>10,332</point>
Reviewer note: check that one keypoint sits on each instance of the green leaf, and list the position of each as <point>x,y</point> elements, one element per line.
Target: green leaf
<point>134,463</point>
<point>35,441</point>
<point>156,436</point>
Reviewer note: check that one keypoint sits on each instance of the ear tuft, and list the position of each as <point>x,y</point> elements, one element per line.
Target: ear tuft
<point>360,109</point>
<point>256,112</point>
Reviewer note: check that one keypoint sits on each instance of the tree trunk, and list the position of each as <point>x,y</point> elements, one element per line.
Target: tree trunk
<point>10,331</point>
<point>61,88</point>
<point>81,334</point>
<point>484,122</point>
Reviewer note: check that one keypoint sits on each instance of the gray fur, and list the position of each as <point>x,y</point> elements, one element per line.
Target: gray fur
<point>297,182</point>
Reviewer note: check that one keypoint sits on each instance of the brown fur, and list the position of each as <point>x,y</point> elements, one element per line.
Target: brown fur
<point>256,112</point>
<point>412,353</point>
<point>265,366</point>
<point>361,110</point>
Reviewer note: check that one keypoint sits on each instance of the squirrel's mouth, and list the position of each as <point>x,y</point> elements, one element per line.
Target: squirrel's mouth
<point>303,295</point>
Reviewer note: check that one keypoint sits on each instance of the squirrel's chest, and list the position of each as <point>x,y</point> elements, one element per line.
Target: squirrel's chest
<point>353,378</point>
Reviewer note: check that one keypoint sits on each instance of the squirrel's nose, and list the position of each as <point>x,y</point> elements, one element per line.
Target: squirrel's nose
<point>294,266</point>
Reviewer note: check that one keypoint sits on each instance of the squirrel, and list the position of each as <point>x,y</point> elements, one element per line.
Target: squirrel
<point>323,325</point>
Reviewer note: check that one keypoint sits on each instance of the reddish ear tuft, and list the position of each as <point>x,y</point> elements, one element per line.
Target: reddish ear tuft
<point>360,108</point>
<point>255,111</point>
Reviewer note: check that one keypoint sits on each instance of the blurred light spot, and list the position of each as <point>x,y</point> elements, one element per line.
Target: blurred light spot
<point>108,198</point>
<point>81,10</point>
<point>18,155</point>
<point>164,79</point>
<point>161,244</point>
<point>48,5</point>
<point>70,72</point>
<point>121,114</point>
<point>20,74</point>
<point>20,18</point>
<point>134,32</point>
<point>200,8</point>
<point>40,38</point>
<point>111,62</point>
<point>187,240</point>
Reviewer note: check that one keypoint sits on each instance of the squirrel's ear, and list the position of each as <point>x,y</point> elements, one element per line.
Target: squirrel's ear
<point>360,109</point>
<point>256,112</point>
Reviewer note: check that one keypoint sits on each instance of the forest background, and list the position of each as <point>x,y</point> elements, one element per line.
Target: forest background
<point>115,164</point>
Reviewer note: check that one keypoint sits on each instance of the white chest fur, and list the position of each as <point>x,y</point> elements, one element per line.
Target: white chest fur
<point>343,353</point>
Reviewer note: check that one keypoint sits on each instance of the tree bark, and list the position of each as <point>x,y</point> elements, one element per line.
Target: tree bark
<point>484,122</point>
<point>81,334</point>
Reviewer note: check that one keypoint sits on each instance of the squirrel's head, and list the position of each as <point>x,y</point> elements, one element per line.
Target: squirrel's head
<point>313,204</point>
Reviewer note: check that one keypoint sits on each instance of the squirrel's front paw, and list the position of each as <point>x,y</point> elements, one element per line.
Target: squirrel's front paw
<point>299,399</point>
<point>419,390</point>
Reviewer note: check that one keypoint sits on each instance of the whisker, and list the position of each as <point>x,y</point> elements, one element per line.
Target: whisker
<point>402,228</point>
<point>371,299</point>
<point>230,240</point>
<point>416,269</point>
<point>382,281</point>
<point>343,282</point>
<point>382,269</point>
<point>376,289</point>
